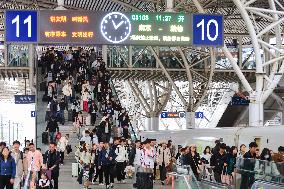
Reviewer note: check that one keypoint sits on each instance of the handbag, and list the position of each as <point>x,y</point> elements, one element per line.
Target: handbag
<point>58,136</point>
<point>226,178</point>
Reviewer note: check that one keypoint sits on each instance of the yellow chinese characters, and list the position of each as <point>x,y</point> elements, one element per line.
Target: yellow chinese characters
<point>51,34</point>
<point>176,38</point>
<point>80,19</point>
<point>145,28</point>
<point>82,34</point>
<point>58,19</point>
<point>176,28</point>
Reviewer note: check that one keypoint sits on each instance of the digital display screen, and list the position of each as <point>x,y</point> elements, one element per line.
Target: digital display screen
<point>119,28</point>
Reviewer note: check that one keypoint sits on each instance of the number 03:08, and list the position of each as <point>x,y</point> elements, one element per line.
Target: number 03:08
<point>138,17</point>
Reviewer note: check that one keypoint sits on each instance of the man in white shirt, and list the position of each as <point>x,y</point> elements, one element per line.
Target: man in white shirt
<point>136,159</point>
<point>67,91</point>
<point>121,159</point>
<point>87,139</point>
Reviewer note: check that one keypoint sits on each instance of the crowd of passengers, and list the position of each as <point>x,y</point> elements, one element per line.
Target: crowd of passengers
<point>103,162</point>
<point>78,84</point>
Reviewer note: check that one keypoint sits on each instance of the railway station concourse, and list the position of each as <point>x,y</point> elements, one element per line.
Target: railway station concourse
<point>179,76</point>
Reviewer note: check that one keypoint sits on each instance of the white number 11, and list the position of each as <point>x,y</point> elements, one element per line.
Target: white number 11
<point>27,20</point>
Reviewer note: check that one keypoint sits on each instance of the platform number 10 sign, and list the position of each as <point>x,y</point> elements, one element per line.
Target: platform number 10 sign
<point>207,30</point>
<point>21,26</point>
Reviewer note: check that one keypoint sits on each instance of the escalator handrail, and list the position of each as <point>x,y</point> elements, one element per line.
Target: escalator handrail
<point>115,93</point>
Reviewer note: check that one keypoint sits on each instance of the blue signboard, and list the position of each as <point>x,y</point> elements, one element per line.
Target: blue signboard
<point>21,26</point>
<point>236,100</point>
<point>164,115</point>
<point>199,115</point>
<point>33,113</point>
<point>24,99</point>
<point>207,30</point>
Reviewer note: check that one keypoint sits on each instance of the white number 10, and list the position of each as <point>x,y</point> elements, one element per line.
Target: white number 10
<point>201,23</point>
<point>27,20</point>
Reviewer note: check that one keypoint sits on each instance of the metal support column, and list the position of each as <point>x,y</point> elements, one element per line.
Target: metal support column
<point>104,53</point>
<point>130,54</point>
<point>31,68</point>
<point>155,123</point>
<point>240,48</point>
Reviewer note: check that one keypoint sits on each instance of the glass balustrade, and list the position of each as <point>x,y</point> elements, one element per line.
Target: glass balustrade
<point>18,55</point>
<point>251,171</point>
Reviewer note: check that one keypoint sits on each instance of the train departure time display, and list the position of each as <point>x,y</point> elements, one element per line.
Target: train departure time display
<point>118,28</point>
<point>133,28</point>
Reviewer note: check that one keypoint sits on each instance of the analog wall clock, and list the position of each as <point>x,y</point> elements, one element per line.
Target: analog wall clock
<point>115,27</point>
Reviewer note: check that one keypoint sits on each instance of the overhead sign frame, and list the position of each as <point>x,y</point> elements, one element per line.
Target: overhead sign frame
<point>127,28</point>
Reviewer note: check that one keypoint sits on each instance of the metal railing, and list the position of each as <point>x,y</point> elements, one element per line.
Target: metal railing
<point>116,95</point>
<point>261,170</point>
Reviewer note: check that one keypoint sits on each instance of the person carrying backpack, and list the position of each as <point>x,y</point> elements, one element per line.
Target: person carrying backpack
<point>18,157</point>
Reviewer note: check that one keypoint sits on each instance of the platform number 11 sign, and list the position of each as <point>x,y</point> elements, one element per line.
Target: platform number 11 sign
<point>208,30</point>
<point>21,26</point>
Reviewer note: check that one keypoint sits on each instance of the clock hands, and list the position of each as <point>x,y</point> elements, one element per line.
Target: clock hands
<point>117,26</point>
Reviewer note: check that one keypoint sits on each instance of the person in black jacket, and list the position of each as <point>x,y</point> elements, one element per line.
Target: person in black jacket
<point>62,106</point>
<point>105,162</point>
<point>217,162</point>
<point>193,159</point>
<point>248,165</point>
<point>104,130</point>
<point>52,160</point>
<point>93,111</point>
<point>52,127</point>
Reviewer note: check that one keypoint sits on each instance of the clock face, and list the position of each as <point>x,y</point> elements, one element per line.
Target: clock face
<point>115,27</point>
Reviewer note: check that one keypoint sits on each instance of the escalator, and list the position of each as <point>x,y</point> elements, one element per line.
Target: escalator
<point>131,129</point>
<point>231,115</point>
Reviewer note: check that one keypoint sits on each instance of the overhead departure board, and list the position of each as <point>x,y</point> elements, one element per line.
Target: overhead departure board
<point>131,28</point>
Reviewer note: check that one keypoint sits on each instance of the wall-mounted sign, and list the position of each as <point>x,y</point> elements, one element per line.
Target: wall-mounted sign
<point>125,28</point>
<point>86,27</point>
<point>237,100</point>
<point>24,99</point>
<point>180,115</point>
<point>21,26</point>
<point>33,113</point>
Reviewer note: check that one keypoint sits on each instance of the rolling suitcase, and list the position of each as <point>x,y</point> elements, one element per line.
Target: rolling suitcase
<point>144,180</point>
<point>44,137</point>
<point>75,169</point>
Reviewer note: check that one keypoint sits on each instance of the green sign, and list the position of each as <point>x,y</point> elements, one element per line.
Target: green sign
<point>121,28</point>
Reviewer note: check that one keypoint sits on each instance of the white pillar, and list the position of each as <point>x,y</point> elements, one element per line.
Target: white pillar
<point>31,68</point>
<point>60,3</point>
<point>256,114</point>
<point>130,53</point>
<point>170,5</point>
<point>282,118</point>
<point>190,120</point>
<point>155,123</point>
<point>104,53</point>
<point>148,124</point>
